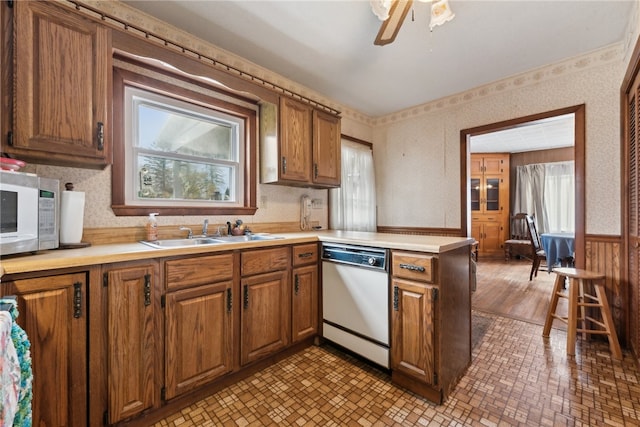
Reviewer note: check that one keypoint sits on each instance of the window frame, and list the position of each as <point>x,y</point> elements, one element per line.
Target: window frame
<point>124,77</point>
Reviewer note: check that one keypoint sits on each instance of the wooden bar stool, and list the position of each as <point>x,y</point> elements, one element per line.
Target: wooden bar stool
<point>579,297</point>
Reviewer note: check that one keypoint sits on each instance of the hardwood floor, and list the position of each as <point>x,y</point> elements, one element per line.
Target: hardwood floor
<point>503,288</point>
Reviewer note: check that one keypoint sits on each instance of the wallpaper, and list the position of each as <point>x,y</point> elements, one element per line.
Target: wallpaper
<point>417,150</point>
<point>425,140</point>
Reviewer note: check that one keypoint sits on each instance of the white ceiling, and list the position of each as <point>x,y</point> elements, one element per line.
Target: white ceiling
<point>328,45</point>
<point>554,132</point>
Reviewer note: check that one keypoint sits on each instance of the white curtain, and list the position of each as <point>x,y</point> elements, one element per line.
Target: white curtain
<point>547,191</point>
<point>353,205</point>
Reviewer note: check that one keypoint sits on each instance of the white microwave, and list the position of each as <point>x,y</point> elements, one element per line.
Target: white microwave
<point>29,213</point>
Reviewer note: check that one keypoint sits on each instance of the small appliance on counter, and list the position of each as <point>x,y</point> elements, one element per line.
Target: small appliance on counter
<point>71,218</point>
<point>29,212</point>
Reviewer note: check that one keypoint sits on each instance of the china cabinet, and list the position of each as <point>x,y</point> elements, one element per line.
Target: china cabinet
<point>490,202</point>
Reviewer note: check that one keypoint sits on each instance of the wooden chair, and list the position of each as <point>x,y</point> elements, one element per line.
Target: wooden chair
<point>519,242</point>
<point>538,252</point>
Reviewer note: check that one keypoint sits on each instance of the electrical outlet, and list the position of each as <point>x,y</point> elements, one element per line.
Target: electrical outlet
<point>263,202</point>
<point>316,203</point>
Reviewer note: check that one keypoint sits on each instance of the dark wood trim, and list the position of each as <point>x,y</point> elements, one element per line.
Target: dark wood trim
<point>426,231</point>
<point>608,238</point>
<point>356,140</point>
<point>633,69</point>
<point>579,158</point>
<point>6,71</point>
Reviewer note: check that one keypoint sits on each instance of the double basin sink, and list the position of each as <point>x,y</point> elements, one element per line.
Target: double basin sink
<point>199,241</point>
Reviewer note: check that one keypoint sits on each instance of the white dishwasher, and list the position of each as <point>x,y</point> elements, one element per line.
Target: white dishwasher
<point>355,300</point>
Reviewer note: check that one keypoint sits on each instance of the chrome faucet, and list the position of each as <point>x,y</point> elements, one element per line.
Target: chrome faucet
<point>190,235</point>
<point>205,227</point>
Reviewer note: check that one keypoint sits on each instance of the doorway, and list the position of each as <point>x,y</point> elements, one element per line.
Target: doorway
<point>579,158</point>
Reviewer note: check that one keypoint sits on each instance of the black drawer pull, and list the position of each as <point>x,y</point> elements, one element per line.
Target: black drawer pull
<point>305,255</point>
<point>413,267</point>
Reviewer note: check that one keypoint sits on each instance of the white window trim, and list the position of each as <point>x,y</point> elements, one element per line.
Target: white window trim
<point>131,175</point>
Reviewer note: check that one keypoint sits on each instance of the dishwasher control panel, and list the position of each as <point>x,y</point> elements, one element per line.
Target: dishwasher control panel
<point>355,255</point>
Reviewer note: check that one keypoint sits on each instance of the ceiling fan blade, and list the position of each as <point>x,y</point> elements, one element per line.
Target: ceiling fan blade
<point>389,28</point>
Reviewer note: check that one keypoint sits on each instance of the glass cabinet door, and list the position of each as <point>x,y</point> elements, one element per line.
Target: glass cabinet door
<point>475,194</point>
<point>492,199</point>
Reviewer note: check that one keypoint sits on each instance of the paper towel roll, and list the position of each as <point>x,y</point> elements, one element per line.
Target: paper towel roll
<point>71,217</point>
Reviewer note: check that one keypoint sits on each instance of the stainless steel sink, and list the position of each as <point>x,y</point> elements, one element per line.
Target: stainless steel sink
<point>198,241</point>
<point>177,243</point>
<point>247,238</point>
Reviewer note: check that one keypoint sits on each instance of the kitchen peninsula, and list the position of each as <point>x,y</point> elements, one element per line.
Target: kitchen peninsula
<point>131,333</point>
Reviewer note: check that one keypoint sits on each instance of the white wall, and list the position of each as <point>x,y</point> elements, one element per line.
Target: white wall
<point>417,151</point>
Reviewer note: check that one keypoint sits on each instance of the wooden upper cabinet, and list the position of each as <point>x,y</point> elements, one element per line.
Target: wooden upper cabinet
<point>306,150</point>
<point>61,92</point>
<point>295,147</point>
<point>326,149</point>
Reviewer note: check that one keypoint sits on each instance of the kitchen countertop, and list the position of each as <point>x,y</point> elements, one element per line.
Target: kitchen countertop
<point>103,254</point>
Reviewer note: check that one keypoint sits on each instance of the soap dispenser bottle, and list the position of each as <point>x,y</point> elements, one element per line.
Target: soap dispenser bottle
<point>152,227</point>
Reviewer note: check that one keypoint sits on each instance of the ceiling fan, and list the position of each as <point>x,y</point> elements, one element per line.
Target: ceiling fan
<point>393,12</point>
<point>397,11</point>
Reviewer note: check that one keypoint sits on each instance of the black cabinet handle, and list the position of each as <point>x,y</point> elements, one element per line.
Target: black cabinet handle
<point>305,255</point>
<point>284,164</point>
<point>246,296</point>
<point>396,297</point>
<point>147,290</point>
<point>229,300</point>
<point>77,300</point>
<point>296,285</point>
<point>100,136</point>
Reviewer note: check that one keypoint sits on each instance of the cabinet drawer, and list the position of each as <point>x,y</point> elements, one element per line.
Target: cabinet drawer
<point>264,260</point>
<point>182,273</point>
<point>414,266</point>
<point>305,254</point>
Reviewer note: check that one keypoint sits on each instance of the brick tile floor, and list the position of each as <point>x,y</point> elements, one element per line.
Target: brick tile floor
<point>516,378</point>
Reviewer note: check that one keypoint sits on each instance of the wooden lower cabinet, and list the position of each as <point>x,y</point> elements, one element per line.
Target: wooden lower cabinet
<point>53,313</point>
<point>430,320</point>
<point>265,320</point>
<point>199,326</point>
<point>305,292</point>
<point>490,237</point>
<point>132,344</point>
<point>304,303</point>
<point>414,330</point>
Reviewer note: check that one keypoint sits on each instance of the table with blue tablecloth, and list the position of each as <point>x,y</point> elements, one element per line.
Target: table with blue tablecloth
<point>559,248</point>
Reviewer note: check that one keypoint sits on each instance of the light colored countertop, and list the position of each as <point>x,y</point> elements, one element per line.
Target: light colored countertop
<point>104,254</point>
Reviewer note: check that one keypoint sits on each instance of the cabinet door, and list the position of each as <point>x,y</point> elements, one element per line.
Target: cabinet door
<point>266,314</point>
<point>131,342</point>
<point>53,313</point>
<point>326,149</point>
<point>414,340</point>
<point>494,165</point>
<point>304,305</point>
<point>199,336</point>
<point>493,237</point>
<point>62,69</point>
<point>295,140</point>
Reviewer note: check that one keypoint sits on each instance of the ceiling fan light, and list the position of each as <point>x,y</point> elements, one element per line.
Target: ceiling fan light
<point>440,13</point>
<point>381,8</point>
